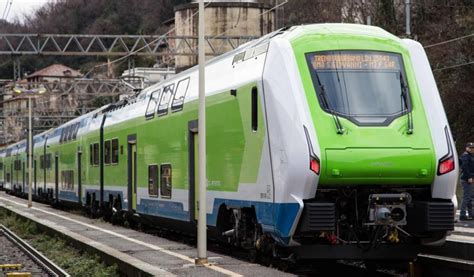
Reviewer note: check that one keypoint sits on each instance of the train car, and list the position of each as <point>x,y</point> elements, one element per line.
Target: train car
<point>8,168</point>
<point>19,167</point>
<point>323,141</point>
<point>40,166</point>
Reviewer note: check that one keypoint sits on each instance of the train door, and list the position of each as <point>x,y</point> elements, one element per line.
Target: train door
<point>79,179</point>
<point>132,172</point>
<point>193,172</point>
<point>56,177</point>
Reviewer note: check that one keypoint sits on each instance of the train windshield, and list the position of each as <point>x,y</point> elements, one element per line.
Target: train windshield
<point>367,87</point>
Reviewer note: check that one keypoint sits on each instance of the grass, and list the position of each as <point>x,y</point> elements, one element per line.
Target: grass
<point>70,259</point>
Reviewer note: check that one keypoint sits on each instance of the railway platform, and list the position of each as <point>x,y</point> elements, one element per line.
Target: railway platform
<point>136,253</point>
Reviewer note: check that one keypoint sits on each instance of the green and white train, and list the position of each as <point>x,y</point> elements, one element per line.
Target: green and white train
<point>324,141</point>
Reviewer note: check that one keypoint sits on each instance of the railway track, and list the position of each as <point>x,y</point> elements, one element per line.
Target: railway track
<point>19,255</point>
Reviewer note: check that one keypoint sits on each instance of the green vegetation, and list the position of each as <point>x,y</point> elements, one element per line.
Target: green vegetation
<point>73,261</point>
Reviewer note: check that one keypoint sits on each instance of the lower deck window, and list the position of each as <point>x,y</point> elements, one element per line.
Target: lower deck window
<point>166,181</point>
<point>67,179</point>
<point>153,180</point>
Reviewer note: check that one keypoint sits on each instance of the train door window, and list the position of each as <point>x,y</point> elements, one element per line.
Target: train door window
<point>254,109</point>
<point>153,180</point>
<point>96,153</point>
<point>107,152</point>
<point>179,95</point>
<point>115,151</point>
<point>151,108</point>
<point>165,100</point>
<point>47,161</point>
<point>166,181</point>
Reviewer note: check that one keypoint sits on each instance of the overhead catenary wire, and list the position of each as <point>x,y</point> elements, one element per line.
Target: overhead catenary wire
<point>448,41</point>
<point>146,45</point>
<point>9,9</point>
<point>453,66</point>
<point>5,9</point>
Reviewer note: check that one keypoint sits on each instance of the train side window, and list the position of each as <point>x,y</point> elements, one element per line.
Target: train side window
<point>1,166</point>
<point>91,153</point>
<point>61,139</point>
<point>42,162</point>
<point>153,180</point>
<point>96,153</point>
<point>179,95</point>
<point>107,152</point>
<point>166,181</point>
<point>115,151</point>
<point>67,179</point>
<point>150,110</point>
<point>254,109</point>
<point>69,129</point>
<point>165,100</point>
<point>76,129</point>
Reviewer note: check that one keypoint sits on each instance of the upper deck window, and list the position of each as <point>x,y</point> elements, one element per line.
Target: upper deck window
<point>367,87</point>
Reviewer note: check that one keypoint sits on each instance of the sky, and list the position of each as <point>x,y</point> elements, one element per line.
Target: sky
<point>19,7</point>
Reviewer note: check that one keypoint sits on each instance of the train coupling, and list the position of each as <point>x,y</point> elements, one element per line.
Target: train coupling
<point>388,209</point>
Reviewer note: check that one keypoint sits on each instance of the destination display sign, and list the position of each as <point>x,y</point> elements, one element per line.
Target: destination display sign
<point>357,61</point>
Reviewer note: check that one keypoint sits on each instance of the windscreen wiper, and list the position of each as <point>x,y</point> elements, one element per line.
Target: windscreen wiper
<point>404,94</point>
<point>322,93</point>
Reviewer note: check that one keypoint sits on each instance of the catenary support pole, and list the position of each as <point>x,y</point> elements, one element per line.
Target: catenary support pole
<point>407,17</point>
<point>202,228</point>
<point>30,153</point>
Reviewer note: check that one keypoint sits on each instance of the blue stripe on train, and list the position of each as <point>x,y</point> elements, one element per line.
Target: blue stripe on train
<point>68,196</point>
<point>275,218</point>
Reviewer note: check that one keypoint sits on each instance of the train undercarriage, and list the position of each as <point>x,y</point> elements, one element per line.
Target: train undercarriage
<point>344,223</point>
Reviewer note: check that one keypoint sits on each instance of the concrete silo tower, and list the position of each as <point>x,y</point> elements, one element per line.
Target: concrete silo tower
<point>223,18</point>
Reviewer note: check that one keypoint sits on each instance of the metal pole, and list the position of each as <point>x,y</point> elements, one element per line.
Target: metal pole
<point>30,152</point>
<point>202,230</point>
<point>407,16</point>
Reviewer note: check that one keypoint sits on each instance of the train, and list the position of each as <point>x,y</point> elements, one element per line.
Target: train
<point>324,141</point>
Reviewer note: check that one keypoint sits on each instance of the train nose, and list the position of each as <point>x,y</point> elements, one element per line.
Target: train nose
<point>378,165</point>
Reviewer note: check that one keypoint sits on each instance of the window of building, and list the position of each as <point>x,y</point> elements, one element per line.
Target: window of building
<point>115,151</point>
<point>107,152</point>
<point>165,100</point>
<point>153,180</point>
<point>166,181</point>
<point>180,94</point>
<point>150,110</point>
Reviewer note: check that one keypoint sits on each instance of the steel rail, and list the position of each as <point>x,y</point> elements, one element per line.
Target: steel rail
<point>51,268</point>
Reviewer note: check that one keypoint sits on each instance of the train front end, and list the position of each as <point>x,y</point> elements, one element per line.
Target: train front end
<point>379,147</point>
